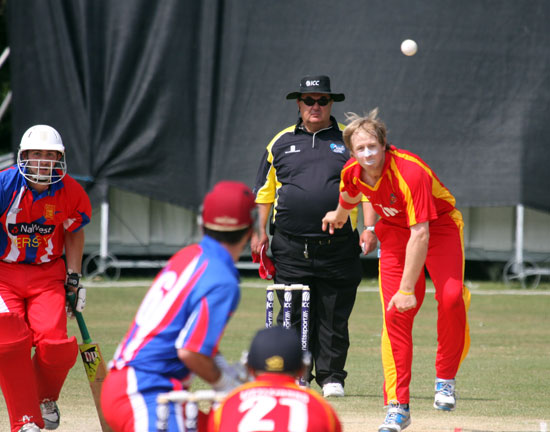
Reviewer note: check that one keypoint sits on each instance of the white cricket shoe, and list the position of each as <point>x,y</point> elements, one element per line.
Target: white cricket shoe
<point>333,390</point>
<point>397,418</point>
<point>29,427</point>
<point>50,414</point>
<point>445,397</point>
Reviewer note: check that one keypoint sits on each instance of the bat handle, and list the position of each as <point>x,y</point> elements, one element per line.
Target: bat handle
<point>80,320</point>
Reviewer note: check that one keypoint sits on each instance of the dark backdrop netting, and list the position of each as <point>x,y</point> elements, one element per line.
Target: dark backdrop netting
<point>165,98</point>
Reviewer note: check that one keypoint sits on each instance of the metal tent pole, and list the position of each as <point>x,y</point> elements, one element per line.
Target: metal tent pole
<point>104,236</point>
<point>519,238</point>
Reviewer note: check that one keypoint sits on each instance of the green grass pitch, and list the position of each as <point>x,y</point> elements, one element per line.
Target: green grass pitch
<point>503,385</point>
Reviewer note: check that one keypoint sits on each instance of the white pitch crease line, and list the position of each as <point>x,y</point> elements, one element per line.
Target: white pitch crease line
<point>368,289</point>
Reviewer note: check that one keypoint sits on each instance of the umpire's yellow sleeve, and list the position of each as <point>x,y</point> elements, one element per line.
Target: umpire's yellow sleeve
<point>266,181</point>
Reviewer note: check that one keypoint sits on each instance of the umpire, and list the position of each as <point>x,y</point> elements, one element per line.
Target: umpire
<point>299,177</point>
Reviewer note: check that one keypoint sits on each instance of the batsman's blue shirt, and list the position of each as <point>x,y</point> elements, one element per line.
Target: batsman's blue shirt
<point>187,306</point>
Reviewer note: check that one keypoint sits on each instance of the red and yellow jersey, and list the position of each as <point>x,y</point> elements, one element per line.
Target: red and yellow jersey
<point>407,193</point>
<point>32,225</point>
<point>274,403</point>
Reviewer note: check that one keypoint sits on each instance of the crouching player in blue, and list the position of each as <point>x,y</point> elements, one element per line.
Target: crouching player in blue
<point>178,327</point>
<point>42,212</point>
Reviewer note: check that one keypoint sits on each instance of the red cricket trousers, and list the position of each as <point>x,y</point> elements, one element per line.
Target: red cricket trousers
<point>32,312</point>
<point>445,265</point>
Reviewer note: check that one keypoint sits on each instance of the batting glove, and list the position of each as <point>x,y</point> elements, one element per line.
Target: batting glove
<point>236,370</point>
<point>76,292</point>
<point>231,376</point>
<point>225,383</point>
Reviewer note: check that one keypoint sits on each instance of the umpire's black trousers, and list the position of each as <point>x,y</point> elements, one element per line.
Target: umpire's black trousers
<point>332,269</point>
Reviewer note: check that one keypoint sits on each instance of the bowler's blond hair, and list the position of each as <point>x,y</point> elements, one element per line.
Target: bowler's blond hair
<point>370,123</point>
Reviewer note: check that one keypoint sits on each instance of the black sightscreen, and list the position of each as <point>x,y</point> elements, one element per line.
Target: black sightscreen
<point>165,97</point>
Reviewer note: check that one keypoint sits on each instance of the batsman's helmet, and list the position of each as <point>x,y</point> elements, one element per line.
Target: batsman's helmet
<point>42,137</point>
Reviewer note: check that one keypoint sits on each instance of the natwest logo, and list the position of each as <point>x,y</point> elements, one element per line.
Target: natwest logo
<point>30,228</point>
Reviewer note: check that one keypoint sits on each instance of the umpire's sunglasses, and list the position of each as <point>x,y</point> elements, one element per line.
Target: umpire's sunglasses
<point>309,101</point>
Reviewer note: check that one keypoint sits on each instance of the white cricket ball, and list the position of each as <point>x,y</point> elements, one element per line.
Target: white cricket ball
<point>409,47</point>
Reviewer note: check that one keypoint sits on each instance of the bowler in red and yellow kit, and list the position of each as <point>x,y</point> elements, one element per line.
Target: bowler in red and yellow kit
<point>419,227</point>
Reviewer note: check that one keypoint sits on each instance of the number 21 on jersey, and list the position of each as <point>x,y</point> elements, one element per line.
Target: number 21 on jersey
<point>257,408</point>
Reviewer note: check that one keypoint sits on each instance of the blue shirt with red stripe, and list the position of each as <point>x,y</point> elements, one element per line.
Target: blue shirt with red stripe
<point>187,306</point>
<point>33,224</point>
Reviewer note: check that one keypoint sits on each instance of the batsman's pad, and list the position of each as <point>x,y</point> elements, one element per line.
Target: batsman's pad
<point>13,330</point>
<point>17,378</point>
<point>53,359</point>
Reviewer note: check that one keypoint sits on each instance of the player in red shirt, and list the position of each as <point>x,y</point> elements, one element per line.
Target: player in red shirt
<point>419,226</point>
<point>273,401</point>
<point>42,212</point>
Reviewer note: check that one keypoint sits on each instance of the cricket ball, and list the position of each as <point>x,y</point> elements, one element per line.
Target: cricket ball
<point>409,47</point>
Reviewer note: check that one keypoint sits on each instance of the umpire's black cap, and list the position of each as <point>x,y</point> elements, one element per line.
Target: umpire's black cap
<point>316,84</point>
<point>275,349</point>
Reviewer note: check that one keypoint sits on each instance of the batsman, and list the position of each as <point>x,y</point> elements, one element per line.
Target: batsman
<point>42,213</point>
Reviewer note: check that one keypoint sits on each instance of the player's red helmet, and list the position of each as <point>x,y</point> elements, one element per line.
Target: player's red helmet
<point>41,137</point>
<point>229,206</point>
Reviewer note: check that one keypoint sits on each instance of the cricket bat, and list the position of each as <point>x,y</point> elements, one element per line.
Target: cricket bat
<point>94,365</point>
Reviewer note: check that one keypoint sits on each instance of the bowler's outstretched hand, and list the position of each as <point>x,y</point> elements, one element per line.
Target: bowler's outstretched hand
<point>333,221</point>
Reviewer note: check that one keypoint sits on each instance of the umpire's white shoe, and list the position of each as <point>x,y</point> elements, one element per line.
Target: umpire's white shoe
<point>29,427</point>
<point>50,414</point>
<point>333,390</point>
<point>445,397</point>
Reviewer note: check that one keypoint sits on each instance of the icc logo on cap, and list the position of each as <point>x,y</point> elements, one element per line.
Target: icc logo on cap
<point>312,83</point>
